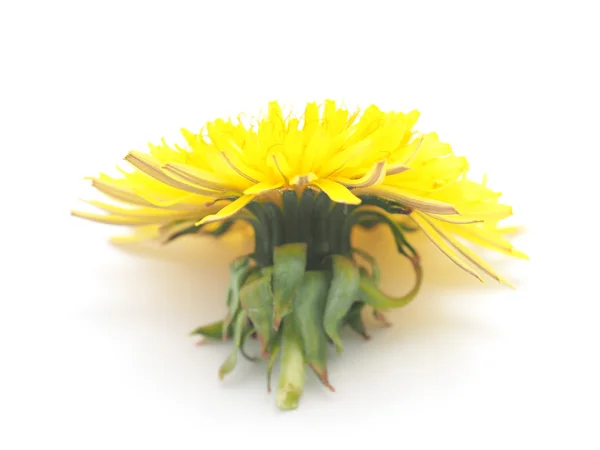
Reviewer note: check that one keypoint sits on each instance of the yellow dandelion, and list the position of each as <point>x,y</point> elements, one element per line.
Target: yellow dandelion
<point>301,184</point>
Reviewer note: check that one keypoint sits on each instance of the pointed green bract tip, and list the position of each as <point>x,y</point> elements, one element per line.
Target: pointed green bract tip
<point>321,370</point>
<point>278,315</point>
<point>228,365</point>
<point>339,348</point>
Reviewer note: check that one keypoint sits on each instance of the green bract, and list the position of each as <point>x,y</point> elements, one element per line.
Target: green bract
<point>301,284</point>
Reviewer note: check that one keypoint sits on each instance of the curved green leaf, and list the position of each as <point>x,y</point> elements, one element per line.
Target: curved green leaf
<point>375,272</point>
<point>288,271</point>
<point>343,292</point>
<point>238,330</point>
<point>213,330</point>
<point>291,377</point>
<point>354,319</point>
<point>257,300</point>
<point>247,333</point>
<point>370,213</point>
<point>238,271</point>
<point>308,310</point>
<point>389,206</point>
<point>372,295</point>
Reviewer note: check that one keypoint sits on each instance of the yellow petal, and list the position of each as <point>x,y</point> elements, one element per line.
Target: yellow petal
<point>396,169</point>
<point>279,162</point>
<point>513,229</point>
<point>340,159</point>
<point>239,167</point>
<point>152,167</point>
<point>459,220</point>
<point>486,210</point>
<point>228,211</point>
<point>402,166</point>
<point>145,213</point>
<point>112,219</point>
<point>336,192</point>
<point>185,202</point>
<point>470,255</point>
<point>412,201</point>
<point>119,193</point>
<point>201,178</point>
<point>488,238</point>
<point>318,141</point>
<point>440,243</point>
<point>374,176</point>
<point>262,187</point>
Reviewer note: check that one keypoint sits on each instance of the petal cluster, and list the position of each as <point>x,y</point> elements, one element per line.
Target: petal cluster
<point>348,155</point>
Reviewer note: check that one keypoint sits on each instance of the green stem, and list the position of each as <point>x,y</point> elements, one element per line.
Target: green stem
<point>262,247</point>
<point>337,218</point>
<point>291,378</point>
<point>277,225</point>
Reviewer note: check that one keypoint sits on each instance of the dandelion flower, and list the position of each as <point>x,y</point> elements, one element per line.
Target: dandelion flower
<point>300,185</point>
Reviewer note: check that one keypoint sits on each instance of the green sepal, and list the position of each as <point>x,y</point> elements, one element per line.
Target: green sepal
<point>289,200</point>
<point>213,330</point>
<point>367,214</point>
<point>337,240</point>
<point>238,271</point>
<point>387,205</point>
<point>193,229</point>
<point>222,228</point>
<point>238,331</point>
<point>306,206</point>
<point>257,300</point>
<point>308,310</point>
<point>320,229</point>
<point>343,292</point>
<point>288,270</point>
<point>355,320</point>
<point>259,221</point>
<point>276,223</point>
<point>373,296</point>
<point>292,374</point>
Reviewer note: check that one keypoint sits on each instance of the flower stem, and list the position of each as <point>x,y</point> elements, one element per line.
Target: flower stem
<point>291,378</point>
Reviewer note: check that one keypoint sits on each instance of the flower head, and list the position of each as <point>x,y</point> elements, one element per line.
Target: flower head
<point>347,155</point>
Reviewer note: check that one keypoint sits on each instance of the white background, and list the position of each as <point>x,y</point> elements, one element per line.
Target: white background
<point>93,339</point>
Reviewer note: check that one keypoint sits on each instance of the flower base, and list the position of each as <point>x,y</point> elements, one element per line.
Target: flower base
<point>302,284</point>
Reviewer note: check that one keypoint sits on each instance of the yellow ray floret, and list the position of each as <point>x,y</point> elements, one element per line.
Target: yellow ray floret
<point>347,155</point>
